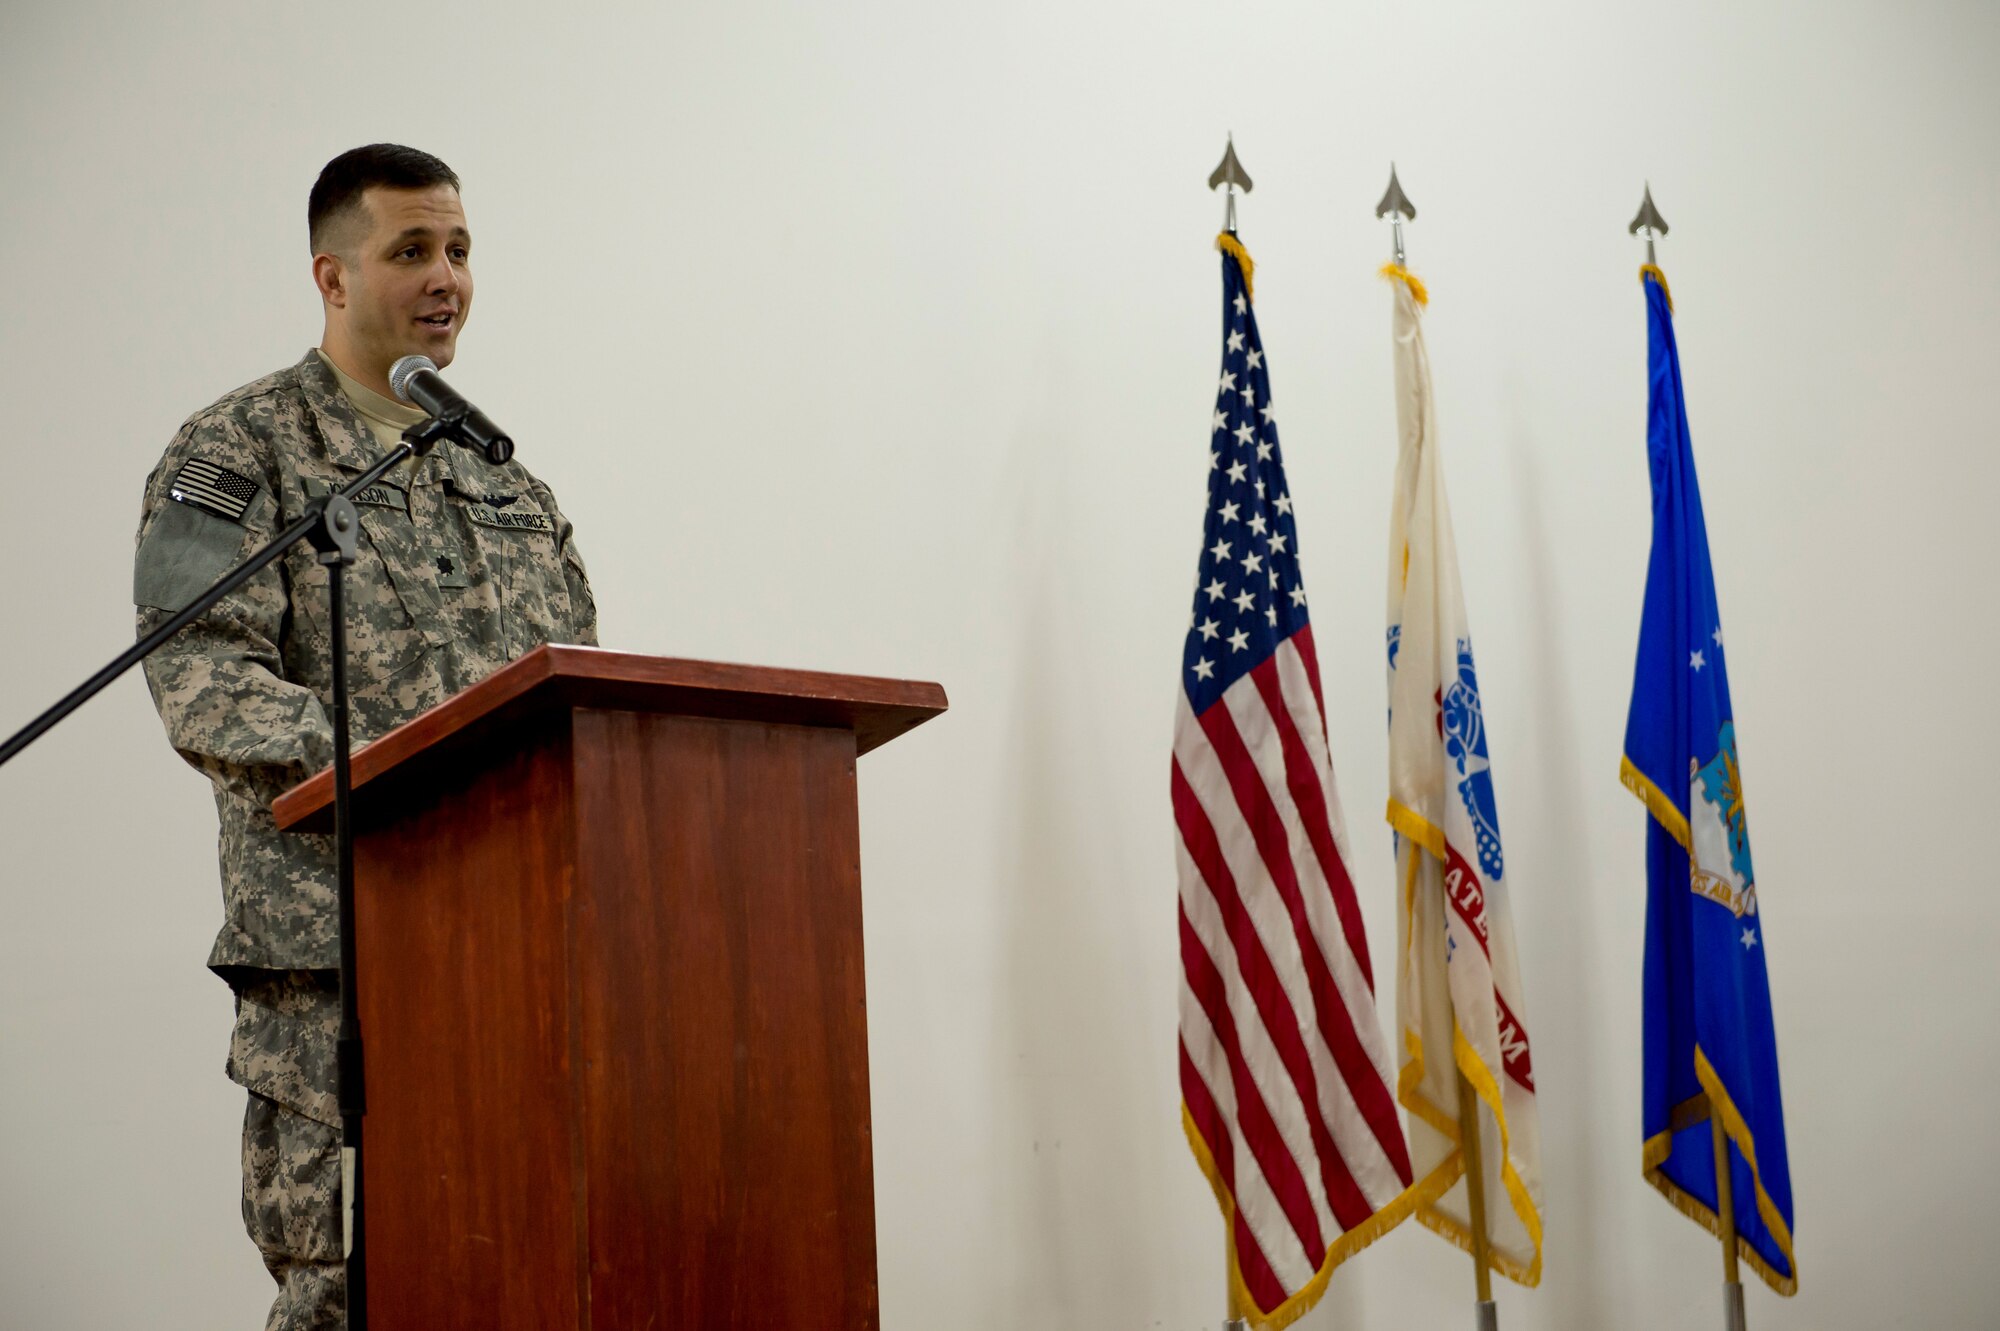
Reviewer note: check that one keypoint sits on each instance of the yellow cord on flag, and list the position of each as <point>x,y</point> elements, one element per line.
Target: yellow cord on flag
<point>1395,272</point>
<point>1661,1145</point>
<point>1720,1106</point>
<point>1657,803</point>
<point>1651,272</point>
<point>1243,1304</point>
<point>1426,836</point>
<point>1229,244</point>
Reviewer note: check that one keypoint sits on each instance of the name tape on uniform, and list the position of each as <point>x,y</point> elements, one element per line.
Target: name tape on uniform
<point>385,496</point>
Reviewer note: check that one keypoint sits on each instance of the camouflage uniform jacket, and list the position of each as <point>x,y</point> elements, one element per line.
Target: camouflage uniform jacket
<point>463,567</point>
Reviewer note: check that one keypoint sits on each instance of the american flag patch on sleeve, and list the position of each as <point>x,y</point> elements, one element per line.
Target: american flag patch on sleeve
<point>216,489</point>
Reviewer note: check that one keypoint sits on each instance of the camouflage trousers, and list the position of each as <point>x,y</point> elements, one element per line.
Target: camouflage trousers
<point>282,1052</point>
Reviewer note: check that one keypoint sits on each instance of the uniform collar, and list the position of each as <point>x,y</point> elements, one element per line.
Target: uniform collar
<point>348,442</point>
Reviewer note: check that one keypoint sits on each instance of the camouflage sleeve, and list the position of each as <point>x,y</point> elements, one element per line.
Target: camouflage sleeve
<point>219,683</point>
<point>583,606</point>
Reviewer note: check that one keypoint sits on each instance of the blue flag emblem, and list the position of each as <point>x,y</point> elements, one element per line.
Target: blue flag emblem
<point>1464,727</point>
<point>1718,786</point>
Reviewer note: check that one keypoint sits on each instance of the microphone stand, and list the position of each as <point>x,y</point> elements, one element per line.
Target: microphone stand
<point>331,525</point>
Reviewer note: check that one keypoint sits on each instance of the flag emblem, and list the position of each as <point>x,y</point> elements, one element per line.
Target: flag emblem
<point>1286,1085</point>
<point>1721,830</point>
<point>214,489</point>
<point>1464,731</point>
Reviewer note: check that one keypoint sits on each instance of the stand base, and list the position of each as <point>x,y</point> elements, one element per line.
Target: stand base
<point>1486,1316</point>
<point>1236,1324</point>
<point>1733,1316</point>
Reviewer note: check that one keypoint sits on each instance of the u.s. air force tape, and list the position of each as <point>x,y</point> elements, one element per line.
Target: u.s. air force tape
<point>217,490</point>
<point>509,520</point>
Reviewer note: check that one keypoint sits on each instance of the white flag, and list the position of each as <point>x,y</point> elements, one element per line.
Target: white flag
<point>1458,990</point>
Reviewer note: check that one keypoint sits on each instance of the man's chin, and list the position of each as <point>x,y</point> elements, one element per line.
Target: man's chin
<point>439,350</point>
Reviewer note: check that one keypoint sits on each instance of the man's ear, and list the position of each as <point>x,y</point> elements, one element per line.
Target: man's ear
<point>330,276</point>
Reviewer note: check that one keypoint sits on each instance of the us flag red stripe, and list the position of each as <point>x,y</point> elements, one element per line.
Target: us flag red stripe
<point>1286,1082</point>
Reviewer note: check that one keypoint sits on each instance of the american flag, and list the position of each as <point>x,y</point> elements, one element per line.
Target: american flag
<point>1285,1079</point>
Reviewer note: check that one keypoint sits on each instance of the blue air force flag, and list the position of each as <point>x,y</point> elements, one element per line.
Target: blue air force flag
<point>1710,1047</point>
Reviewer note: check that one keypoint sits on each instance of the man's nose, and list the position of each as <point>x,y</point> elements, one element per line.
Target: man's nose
<point>443,277</point>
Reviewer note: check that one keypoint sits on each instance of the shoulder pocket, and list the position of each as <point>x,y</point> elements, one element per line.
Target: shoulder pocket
<point>184,551</point>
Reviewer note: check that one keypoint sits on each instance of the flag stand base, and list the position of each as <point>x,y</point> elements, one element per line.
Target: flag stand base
<point>1236,1324</point>
<point>1733,1315</point>
<point>1487,1315</point>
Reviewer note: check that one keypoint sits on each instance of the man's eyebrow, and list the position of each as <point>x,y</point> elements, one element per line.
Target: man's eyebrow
<point>424,233</point>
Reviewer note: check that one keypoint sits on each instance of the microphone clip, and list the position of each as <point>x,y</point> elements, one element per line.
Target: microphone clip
<point>423,436</point>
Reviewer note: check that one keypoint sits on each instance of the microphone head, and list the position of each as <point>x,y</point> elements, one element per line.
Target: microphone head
<point>406,369</point>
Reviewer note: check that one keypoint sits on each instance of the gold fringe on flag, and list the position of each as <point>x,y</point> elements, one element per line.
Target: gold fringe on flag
<point>1229,244</point>
<point>1651,272</point>
<point>1395,272</point>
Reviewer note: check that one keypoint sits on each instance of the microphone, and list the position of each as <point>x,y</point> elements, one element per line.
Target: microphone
<point>415,379</point>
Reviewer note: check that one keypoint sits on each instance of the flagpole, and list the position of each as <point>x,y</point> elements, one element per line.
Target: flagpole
<point>1487,1312</point>
<point>1229,172</point>
<point>1396,206</point>
<point>1230,1321</point>
<point>1653,225</point>
<point>1650,222</point>
<point>1734,1317</point>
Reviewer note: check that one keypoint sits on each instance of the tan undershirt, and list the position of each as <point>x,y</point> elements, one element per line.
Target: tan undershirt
<point>385,417</point>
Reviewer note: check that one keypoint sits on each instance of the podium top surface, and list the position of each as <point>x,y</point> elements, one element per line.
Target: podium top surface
<point>876,710</point>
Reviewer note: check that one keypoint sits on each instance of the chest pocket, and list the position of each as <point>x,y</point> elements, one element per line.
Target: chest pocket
<point>517,553</point>
<point>389,631</point>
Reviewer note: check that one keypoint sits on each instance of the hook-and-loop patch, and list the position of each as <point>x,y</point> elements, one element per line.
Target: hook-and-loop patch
<point>214,489</point>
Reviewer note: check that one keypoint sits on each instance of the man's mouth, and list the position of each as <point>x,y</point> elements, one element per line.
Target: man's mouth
<point>441,321</point>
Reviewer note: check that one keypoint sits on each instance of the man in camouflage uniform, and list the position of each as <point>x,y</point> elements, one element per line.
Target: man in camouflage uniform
<point>463,567</point>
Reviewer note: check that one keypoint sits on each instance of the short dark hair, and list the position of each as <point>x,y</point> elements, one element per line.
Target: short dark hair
<point>342,181</point>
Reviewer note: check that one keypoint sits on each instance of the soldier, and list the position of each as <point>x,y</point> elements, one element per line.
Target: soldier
<point>463,567</point>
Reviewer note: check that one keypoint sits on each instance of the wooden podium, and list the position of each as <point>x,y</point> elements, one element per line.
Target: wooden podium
<point>608,921</point>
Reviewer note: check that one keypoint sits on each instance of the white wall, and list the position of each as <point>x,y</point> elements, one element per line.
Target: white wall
<point>881,338</point>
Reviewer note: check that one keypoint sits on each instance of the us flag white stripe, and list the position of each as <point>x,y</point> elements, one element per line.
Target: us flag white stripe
<point>1337,1108</point>
<point>1253,721</point>
<point>221,477</point>
<point>208,492</point>
<point>1267,1068</point>
<point>1298,693</point>
<point>1254,1198</point>
<point>1265,909</point>
<point>1365,1158</point>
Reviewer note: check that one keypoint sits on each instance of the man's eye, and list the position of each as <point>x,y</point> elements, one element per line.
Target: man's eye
<point>410,252</point>
<point>461,254</point>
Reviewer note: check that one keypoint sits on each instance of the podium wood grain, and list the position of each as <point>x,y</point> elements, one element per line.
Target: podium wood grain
<point>611,988</point>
